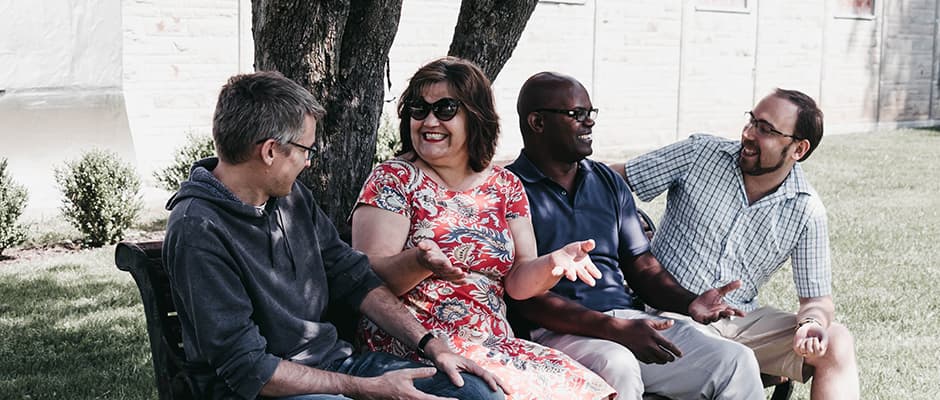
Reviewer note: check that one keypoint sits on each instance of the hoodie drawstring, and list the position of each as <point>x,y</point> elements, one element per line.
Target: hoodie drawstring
<point>280,223</point>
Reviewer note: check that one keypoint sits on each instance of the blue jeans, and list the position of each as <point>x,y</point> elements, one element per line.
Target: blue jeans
<point>374,364</point>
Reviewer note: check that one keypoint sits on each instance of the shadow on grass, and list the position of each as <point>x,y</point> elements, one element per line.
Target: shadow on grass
<point>930,130</point>
<point>75,339</point>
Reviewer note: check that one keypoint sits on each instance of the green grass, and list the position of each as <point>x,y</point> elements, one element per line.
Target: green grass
<point>882,194</point>
<point>71,325</point>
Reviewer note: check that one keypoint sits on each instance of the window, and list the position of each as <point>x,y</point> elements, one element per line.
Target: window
<point>738,6</point>
<point>855,9</point>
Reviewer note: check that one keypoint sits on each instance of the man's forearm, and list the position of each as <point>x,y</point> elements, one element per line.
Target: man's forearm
<point>292,379</point>
<point>562,315</point>
<point>656,286</point>
<point>383,308</point>
<point>401,272</point>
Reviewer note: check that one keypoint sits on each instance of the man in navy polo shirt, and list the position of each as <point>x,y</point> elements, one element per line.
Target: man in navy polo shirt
<point>573,198</point>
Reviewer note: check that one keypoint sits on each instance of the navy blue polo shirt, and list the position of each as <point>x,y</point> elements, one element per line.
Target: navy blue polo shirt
<point>602,209</point>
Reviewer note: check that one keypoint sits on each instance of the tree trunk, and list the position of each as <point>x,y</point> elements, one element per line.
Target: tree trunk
<point>338,50</point>
<point>487,31</point>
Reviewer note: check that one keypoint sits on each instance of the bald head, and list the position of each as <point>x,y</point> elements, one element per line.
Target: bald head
<point>556,118</point>
<point>544,90</point>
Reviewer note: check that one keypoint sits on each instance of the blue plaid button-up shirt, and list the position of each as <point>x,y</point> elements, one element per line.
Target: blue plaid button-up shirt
<point>710,236</point>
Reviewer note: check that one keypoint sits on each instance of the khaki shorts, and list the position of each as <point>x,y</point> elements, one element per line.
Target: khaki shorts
<point>769,333</point>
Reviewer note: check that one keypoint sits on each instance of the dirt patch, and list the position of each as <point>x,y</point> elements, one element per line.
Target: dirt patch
<point>21,254</point>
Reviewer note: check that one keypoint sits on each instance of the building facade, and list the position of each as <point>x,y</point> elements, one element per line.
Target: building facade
<point>136,76</point>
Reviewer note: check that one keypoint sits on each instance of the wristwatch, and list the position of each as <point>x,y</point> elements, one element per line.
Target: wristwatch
<point>807,320</point>
<point>424,343</point>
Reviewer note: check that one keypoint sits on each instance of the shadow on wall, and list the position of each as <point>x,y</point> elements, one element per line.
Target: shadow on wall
<point>906,60</point>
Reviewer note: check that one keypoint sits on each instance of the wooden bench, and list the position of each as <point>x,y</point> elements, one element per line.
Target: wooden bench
<point>145,264</point>
<point>144,261</point>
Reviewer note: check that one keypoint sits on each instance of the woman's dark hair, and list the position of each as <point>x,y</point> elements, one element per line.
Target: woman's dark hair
<point>471,87</point>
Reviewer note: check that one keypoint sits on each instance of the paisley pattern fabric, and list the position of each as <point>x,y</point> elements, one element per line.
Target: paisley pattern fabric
<point>471,228</point>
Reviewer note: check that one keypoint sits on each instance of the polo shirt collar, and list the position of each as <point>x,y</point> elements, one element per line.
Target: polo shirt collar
<point>528,172</point>
<point>525,170</point>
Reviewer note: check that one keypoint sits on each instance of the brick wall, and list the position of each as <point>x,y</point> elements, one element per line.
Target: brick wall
<point>637,72</point>
<point>177,54</point>
<point>558,37</point>
<point>717,78</point>
<point>907,67</point>
<point>789,47</point>
<point>935,80</point>
<point>657,69</point>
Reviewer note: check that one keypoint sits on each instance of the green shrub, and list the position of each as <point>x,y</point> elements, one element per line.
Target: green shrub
<point>101,196</point>
<point>196,148</point>
<point>12,201</point>
<point>386,141</point>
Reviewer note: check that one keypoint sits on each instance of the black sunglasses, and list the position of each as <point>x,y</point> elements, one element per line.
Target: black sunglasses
<point>444,109</point>
<point>579,114</point>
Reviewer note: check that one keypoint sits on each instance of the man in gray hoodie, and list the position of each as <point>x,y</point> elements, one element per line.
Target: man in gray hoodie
<point>254,262</point>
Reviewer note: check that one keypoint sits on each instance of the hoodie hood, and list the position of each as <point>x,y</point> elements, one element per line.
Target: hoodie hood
<point>202,184</point>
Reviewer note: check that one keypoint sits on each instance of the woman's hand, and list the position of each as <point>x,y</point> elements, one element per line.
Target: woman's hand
<point>433,259</point>
<point>574,263</point>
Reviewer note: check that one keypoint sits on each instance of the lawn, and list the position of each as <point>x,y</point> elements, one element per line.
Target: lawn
<point>71,324</point>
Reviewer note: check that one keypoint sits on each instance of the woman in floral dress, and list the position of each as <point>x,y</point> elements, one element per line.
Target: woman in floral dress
<point>450,234</point>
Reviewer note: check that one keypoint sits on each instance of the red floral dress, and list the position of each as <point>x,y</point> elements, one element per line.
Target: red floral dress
<point>471,228</point>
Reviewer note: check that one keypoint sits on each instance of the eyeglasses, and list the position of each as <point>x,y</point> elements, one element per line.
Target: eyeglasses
<point>444,109</point>
<point>764,128</point>
<point>579,114</point>
<point>311,151</point>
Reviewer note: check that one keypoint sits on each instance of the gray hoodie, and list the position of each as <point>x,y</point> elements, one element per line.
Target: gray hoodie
<point>251,285</point>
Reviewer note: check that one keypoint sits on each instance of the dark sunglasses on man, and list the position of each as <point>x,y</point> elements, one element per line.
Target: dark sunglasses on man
<point>444,109</point>
<point>578,114</point>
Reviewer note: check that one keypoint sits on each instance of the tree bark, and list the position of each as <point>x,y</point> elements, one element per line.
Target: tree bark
<point>338,50</point>
<point>488,30</point>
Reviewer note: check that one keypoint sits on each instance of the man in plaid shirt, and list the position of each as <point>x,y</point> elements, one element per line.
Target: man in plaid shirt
<point>737,210</point>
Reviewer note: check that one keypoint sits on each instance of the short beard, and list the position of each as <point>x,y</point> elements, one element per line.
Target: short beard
<point>758,170</point>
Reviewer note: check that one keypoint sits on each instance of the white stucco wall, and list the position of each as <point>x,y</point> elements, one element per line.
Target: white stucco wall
<point>60,72</point>
<point>134,76</point>
<point>60,44</point>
